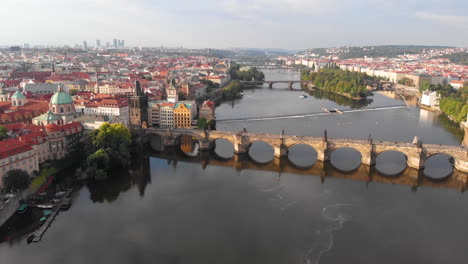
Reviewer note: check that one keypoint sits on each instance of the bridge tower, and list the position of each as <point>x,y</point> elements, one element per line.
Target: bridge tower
<point>138,106</point>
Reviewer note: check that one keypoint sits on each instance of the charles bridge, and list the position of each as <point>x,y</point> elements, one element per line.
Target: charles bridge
<point>416,153</point>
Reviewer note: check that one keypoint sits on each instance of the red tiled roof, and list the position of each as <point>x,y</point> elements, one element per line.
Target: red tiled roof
<point>12,147</point>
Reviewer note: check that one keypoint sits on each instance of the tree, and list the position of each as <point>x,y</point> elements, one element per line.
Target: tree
<point>16,180</point>
<point>182,96</point>
<point>73,92</point>
<point>204,124</point>
<point>107,147</point>
<point>423,86</point>
<point>99,159</point>
<point>3,132</point>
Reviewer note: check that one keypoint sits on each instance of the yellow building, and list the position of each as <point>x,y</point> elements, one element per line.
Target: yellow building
<point>183,115</point>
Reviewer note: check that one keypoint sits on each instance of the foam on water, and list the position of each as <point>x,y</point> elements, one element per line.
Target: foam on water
<point>336,216</point>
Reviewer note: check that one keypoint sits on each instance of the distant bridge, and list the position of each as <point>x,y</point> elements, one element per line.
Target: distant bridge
<point>266,66</point>
<point>416,153</point>
<point>270,83</point>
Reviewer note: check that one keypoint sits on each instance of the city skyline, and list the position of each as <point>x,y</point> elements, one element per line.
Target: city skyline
<point>288,24</point>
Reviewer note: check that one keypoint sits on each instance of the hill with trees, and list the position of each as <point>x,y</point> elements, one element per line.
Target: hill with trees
<point>457,58</point>
<point>389,51</point>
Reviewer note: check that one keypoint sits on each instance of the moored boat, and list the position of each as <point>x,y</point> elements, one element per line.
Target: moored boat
<point>23,208</point>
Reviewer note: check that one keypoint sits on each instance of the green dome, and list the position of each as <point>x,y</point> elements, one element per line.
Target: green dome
<point>18,95</point>
<point>61,97</point>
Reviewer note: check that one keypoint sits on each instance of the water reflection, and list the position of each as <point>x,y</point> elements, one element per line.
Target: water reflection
<point>345,159</point>
<point>391,163</point>
<point>121,181</point>
<point>302,156</point>
<point>340,99</point>
<point>223,149</point>
<point>188,145</point>
<point>324,170</point>
<point>261,152</point>
<point>438,167</point>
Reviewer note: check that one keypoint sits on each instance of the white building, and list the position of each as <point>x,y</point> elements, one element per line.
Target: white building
<point>166,116</point>
<point>430,98</point>
<point>457,84</point>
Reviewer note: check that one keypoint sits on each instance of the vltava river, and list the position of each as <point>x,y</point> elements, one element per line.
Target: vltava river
<point>183,209</point>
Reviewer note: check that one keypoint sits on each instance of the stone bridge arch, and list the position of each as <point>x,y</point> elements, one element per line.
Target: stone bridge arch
<point>317,143</point>
<point>414,154</point>
<point>259,140</point>
<point>391,173</point>
<point>361,146</point>
<point>458,154</point>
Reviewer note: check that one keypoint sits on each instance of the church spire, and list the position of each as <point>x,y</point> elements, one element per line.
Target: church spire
<point>138,91</point>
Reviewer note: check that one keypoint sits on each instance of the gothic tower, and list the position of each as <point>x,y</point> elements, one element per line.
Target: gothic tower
<point>138,106</point>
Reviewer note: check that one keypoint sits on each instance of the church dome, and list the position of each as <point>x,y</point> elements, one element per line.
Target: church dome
<point>61,97</point>
<point>18,95</point>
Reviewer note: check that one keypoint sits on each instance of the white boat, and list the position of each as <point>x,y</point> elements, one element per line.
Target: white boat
<point>303,96</point>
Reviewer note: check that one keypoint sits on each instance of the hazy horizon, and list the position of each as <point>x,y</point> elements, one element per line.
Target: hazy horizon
<point>229,24</point>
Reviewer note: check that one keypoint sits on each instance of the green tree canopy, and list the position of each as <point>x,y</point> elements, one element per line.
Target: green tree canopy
<point>340,81</point>
<point>423,86</point>
<point>246,75</point>
<point>3,132</point>
<point>107,147</point>
<point>16,180</point>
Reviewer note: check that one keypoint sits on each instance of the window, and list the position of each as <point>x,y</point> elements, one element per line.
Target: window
<point>61,109</point>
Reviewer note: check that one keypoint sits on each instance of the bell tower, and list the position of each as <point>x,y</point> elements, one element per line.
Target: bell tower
<point>138,108</point>
<point>171,93</point>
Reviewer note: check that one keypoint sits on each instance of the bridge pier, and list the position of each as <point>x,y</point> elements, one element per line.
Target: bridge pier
<point>270,85</point>
<point>205,145</point>
<point>290,85</point>
<point>281,151</point>
<point>461,165</point>
<point>323,154</point>
<point>368,155</point>
<point>416,160</point>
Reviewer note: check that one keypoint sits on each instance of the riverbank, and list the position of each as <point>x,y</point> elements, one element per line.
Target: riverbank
<point>45,178</point>
<point>310,89</point>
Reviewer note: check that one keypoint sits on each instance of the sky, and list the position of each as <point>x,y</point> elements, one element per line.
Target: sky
<point>287,24</point>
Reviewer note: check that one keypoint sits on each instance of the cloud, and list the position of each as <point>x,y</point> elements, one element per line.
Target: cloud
<point>450,20</point>
<point>65,22</point>
<point>262,8</point>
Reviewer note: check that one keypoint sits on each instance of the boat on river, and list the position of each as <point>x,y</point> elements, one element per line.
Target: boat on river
<point>23,208</point>
<point>303,96</point>
<point>45,206</point>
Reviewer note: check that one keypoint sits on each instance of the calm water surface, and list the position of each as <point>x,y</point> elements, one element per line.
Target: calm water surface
<point>180,210</point>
